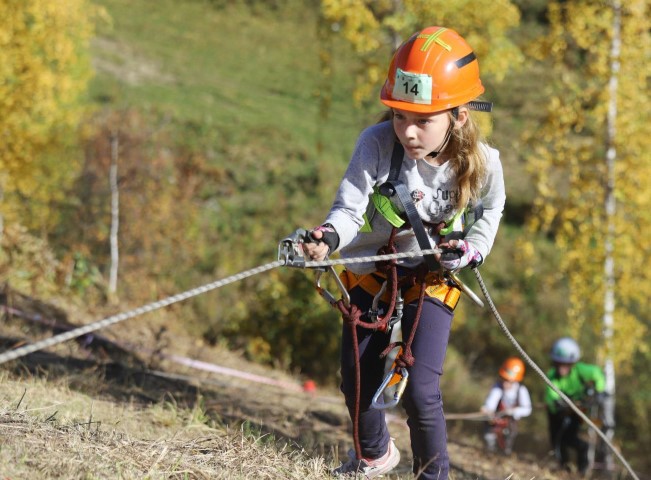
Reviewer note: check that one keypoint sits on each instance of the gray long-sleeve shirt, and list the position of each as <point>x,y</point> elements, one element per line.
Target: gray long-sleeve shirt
<point>433,188</point>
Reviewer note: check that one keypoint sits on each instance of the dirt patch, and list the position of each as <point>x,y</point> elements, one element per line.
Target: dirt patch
<point>122,62</point>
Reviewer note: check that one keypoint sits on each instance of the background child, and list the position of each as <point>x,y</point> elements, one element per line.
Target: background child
<point>583,383</point>
<point>507,402</point>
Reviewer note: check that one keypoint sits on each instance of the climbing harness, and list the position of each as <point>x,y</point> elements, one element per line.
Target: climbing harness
<point>444,286</point>
<point>505,428</point>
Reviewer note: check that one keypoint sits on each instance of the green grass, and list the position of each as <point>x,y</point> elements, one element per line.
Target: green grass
<point>227,68</point>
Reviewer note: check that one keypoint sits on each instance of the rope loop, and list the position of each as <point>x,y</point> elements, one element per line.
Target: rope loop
<point>385,266</point>
<point>404,358</point>
<point>390,347</point>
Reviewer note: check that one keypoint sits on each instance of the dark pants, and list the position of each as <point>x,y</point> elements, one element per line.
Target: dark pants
<point>564,435</point>
<point>422,398</point>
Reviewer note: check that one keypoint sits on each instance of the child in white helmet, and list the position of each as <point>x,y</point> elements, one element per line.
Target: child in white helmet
<point>580,382</point>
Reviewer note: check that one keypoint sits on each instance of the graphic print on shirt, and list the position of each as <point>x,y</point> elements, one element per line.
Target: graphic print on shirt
<point>417,196</point>
<point>443,204</point>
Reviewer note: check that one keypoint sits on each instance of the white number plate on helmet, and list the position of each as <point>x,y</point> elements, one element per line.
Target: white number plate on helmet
<point>412,87</point>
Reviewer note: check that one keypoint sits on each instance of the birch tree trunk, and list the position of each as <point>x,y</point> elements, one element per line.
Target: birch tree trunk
<point>611,207</point>
<point>115,217</point>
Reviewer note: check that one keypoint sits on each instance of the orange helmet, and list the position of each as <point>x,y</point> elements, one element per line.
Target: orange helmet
<point>433,71</point>
<point>512,369</point>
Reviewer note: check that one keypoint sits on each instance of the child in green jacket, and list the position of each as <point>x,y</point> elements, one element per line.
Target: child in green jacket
<point>582,383</point>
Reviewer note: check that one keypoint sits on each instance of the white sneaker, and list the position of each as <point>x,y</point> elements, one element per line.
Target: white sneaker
<point>367,468</point>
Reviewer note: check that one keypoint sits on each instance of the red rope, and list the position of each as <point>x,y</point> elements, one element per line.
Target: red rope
<point>352,318</point>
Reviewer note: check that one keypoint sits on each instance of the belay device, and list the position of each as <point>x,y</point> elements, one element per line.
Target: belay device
<point>290,251</point>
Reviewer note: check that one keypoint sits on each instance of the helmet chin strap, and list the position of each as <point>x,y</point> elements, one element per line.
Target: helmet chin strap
<point>444,144</point>
<point>448,134</point>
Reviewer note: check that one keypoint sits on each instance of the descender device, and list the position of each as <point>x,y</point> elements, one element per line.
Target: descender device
<point>290,252</point>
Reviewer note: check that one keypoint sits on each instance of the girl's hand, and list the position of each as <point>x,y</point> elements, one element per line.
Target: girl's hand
<point>316,251</point>
<point>321,241</point>
<point>459,254</point>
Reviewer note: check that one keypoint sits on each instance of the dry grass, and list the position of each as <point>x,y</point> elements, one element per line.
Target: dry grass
<point>48,431</point>
<point>42,435</point>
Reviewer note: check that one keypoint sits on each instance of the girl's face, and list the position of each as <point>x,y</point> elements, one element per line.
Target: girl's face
<point>423,133</point>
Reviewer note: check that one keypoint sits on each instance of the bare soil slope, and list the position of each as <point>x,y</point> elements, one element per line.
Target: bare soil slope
<point>156,370</point>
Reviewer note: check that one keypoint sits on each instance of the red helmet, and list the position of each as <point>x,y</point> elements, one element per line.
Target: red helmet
<point>512,369</point>
<point>433,71</point>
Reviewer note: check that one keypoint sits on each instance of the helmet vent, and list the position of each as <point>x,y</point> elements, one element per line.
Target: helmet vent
<point>463,61</point>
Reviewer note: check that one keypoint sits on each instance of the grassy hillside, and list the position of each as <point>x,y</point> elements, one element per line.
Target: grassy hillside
<point>239,84</point>
<point>236,73</point>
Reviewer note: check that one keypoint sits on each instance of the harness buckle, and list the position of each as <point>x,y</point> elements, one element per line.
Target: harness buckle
<point>398,376</point>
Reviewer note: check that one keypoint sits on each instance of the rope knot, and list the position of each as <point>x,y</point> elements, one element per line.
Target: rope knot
<point>385,266</point>
<point>404,358</point>
<point>350,315</point>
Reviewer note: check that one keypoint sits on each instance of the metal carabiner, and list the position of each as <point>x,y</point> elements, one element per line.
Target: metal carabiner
<point>374,311</point>
<point>397,376</point>
<point>325,293</point>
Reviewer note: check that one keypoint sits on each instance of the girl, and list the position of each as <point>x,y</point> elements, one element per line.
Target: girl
<point>441,163</point>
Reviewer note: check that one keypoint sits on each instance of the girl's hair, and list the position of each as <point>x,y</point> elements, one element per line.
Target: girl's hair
<point>469,161</point>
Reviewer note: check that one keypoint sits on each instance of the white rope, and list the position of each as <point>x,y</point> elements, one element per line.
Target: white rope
<point>120,317</point>
<point>373,258</point>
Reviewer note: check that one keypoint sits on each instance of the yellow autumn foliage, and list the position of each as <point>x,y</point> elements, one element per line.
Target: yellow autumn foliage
<point>570,170</point>
<point>44,69</point>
